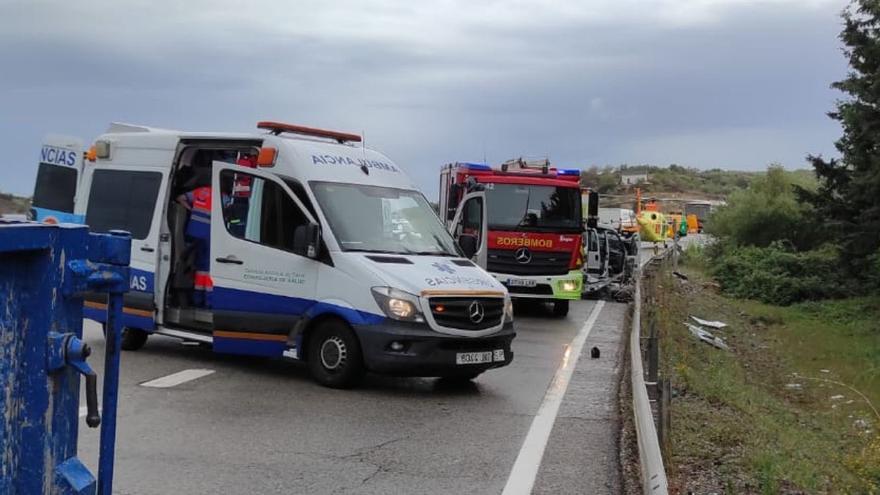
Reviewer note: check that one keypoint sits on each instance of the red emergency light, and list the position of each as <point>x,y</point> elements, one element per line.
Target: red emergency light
<point>277,128</point>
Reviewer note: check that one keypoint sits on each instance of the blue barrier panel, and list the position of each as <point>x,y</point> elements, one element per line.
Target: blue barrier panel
<point>43,271</point>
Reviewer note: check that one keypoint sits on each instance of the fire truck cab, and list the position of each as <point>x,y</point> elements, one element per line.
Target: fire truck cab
<point>533,218</point>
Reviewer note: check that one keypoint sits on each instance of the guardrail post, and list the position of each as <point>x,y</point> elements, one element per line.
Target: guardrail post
<point>664,403</point>
<point>653,354</point>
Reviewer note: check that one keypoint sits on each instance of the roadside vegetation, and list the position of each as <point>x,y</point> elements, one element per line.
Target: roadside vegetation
<point>790,408</point>
<point>783,240</point>
<point>772,246</point>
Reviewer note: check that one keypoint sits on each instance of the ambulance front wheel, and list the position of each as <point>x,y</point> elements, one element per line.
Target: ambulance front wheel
<point>334,355</point>
<point>133,339</point>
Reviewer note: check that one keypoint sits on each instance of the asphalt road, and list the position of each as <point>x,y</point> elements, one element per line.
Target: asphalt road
<point>262,426</point>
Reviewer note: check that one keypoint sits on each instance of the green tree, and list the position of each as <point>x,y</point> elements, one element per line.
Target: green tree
<point>848,197</point>
<point>768,211</point>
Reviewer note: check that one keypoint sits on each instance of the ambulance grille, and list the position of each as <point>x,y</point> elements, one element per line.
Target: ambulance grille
<point>541,263</point>
<point>455,312</point>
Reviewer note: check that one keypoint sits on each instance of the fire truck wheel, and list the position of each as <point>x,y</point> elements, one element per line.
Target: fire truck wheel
<point>560,308</point>
<point>334,355</point>
<point>133,339</point>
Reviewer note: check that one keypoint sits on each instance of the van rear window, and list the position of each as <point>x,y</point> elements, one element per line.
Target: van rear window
<point>123,200</point>
<point>55,187</point>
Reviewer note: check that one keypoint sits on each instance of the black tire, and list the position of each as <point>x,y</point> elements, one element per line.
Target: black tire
<point>133,339</point>
<point>334,355</point>
<point>560,308</point>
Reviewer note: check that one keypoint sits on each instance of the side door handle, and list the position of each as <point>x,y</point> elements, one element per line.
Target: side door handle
<point>230,259</point>
<point>147,249</point>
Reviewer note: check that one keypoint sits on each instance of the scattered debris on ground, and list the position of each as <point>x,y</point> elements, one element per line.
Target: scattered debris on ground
<point>707,336</point>
<point>708,323</point>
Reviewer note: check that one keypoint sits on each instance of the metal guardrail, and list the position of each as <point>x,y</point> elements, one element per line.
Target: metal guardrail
<point>653,474</point>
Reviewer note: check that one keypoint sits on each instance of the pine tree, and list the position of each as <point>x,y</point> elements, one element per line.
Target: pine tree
<point>848,199</point>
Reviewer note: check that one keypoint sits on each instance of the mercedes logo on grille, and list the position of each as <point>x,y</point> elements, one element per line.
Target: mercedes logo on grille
<point>522,255</point>
<point>476,312</point>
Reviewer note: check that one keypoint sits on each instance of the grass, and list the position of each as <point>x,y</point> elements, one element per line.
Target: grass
<point>761,418</point>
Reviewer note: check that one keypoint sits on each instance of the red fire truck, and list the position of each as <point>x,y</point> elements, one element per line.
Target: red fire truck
<point>533,216</point>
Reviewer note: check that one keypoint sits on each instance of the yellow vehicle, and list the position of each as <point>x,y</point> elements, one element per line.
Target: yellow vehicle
<point>652,223</point>
<point>653,226</point>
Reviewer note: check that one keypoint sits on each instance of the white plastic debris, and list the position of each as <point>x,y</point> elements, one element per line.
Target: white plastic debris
<point>707,337</point>
<point>718,325</point>
<point>794,386</point>
<point>824,371</point>
<point>836,397</point>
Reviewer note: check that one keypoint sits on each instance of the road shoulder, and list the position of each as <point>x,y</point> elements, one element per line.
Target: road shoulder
<point>582,453</point>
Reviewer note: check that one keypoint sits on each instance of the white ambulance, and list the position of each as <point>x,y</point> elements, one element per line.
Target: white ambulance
<point>323,251</point>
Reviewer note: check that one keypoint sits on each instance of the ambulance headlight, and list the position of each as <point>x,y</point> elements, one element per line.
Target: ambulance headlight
<point>397,304</point>
<point>508,308</point>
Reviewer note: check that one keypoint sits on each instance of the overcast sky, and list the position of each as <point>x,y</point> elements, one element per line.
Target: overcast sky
<point>706,83</point>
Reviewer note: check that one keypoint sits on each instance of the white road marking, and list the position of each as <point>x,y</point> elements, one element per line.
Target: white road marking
<point>175,379</point>
<point>525,469</point>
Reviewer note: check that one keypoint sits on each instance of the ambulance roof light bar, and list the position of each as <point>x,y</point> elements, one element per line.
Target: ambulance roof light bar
<point>277,128</point>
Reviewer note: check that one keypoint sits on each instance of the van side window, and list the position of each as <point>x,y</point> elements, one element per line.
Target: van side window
<point>266,215</point>
<point>55,187</point>
<point>124,200</point>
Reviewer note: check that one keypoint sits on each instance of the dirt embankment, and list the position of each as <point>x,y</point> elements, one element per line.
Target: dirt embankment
<point>786,408</point>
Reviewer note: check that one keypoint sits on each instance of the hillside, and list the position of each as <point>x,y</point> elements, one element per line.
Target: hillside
<point>13,204</point>
<point>674,181</point>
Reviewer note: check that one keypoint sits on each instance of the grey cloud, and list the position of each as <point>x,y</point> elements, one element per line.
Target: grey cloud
<point>582,89</point>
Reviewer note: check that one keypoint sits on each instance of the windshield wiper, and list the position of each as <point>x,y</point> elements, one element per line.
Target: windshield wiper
<point>432,253</point>
<point>379,251</point>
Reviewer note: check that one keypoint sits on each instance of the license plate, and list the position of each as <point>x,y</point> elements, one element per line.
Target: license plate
<point>522,282</point>
<point>479,357</point>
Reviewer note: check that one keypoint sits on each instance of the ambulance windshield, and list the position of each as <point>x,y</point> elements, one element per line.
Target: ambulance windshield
<point>382,220</point>
<point>533,207</point>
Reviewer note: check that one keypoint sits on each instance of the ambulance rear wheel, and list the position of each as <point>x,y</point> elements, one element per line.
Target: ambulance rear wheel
<point>560,308</point>
<point>334,355</point>
<point>133,339</point>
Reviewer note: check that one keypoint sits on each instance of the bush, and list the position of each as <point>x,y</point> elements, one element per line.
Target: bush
<point>777,274</point>
<point>768,211</point>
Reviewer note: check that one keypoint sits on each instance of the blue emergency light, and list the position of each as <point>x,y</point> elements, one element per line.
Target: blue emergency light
<point>475,166</point>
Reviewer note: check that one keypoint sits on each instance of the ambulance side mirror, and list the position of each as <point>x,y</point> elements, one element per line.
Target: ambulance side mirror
<point>307,240</point>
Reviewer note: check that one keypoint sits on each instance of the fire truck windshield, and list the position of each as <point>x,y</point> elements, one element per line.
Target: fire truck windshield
<point>382,220</point>
<point>533,207</point>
